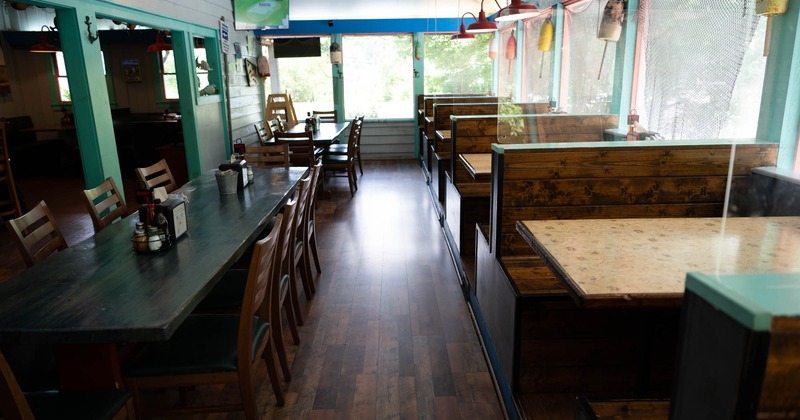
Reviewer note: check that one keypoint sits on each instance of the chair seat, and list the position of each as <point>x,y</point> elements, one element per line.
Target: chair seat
<point>90,405</point>
<point>202,344</point>
<point>336,149</point>
<point>228,292</point>
<point>334,159</point>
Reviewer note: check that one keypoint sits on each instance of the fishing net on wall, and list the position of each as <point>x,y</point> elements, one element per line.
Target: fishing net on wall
<point>694,51</point>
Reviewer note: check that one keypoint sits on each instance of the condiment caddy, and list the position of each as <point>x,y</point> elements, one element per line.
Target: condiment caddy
<point>160,224</point>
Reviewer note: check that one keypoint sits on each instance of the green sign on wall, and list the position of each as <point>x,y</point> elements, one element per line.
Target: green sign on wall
<point>261,14</point>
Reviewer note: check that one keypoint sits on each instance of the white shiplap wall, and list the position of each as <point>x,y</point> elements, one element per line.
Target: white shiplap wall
<point>388,140</point>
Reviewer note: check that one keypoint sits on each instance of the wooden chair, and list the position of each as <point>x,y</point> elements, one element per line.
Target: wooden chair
<point>299,252</point>
<point>302,151</point>
<point>105,204</point>
<point>263,131</point>
<point>310,236</point>
<point>36,234</point>
<point>270,156</point>
<point>216,349</point>
<point>17,405</point>
<point>157,175</point>
<point>282,287</point>
<point>345,163</point>
<point>341,149</point>
<point>326,116</point>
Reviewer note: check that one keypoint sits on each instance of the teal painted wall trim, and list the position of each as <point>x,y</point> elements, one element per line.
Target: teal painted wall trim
<point>779,116</point>
<point>496,64</point>
<point>623,66</point>
<point>215,76</point>
<point>184,67</point>
<point>337,78</point>
<point>368,26</point>
<point>419,78</point>
<point>555,63</point>
<point>91,106</point>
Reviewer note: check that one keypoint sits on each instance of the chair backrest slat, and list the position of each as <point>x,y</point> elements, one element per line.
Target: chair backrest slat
<point>301,147</point>
<point>36,234</point>
<point>157,175</point>
<point>326,116</point>
<point>271,156</point>
<point>110,207</point>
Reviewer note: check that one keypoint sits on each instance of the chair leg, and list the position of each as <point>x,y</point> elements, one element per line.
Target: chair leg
<point>291,319</point>
<point>307,265</point>
<point>352,181</point>
<point>358,158</point>
<point>280,346</point>
<point>294,297</point>
<point>312,243</point>
<point>246,391</point>
<point>269,360</point>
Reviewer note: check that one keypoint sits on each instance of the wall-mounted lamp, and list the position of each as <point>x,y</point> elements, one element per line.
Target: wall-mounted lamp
<point>43,46</point>
<point>159,45</point>
<point>92,36</point>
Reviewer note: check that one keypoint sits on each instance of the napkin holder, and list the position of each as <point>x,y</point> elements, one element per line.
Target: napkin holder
<point>240,166</point>
<point>174,208</point>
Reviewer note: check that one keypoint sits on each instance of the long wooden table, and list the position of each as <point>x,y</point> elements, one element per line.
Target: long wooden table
<point>100,292</point>
<point>643,262</point>
<point>327,134</point>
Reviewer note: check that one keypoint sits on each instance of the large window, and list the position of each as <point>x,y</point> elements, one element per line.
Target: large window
<point>587,62</point>
<point>507,56</point>
<point>308,81</point>
<point>378,76</point>
<point>537,68</point>
<point>461,66</point>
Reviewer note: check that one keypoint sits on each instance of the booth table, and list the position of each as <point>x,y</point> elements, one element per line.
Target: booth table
<point>479,165</point>
<point>327,134</point>
<point>643,262</point>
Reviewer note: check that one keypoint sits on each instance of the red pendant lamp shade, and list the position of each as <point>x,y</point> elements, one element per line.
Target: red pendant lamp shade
<point>159,45</point>
<point>43,46</point>
<point>481,24</point>
<point>462,33</point>
<point>515,11</point>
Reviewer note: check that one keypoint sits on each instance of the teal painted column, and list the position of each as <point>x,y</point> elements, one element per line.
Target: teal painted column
<point>496,64</point>
<point>337,78</point>
<point>90,102</point>
<point>779,116</point>
<point>623,66</point>
<point>183,50</point>
<point>419,79</point>
<point>558,43</point>
<point>215,76</point>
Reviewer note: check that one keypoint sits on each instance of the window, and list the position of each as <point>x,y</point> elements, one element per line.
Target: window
<point>507,56</point>
<point>536,85</point>
<point>169,79</point>
<point>587,62</point>
<point>60,74</point>
<point>379,77</point>
<point>308,81</point>
<point>469,72</point>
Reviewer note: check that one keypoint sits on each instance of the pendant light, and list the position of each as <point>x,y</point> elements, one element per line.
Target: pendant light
<point>462,34</point>
<point>43,46</point>
<point>517,10</point>
<point>481,24</point>
<point>159,45</point>
<point>610,26</point>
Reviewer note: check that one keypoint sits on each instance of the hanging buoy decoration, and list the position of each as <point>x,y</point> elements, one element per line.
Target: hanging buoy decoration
<point>769,8</point>
<point>511,50</point>
<point>493,46</point>
<point>545,40</point>
<point>610,26</point>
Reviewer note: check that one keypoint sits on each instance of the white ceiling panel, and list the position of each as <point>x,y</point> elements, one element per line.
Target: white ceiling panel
<point>386,9</point>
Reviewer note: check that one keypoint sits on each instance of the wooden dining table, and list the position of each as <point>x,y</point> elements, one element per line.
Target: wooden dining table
<point>99,293</point>
<point>643,262</point>
<point>327,134</point>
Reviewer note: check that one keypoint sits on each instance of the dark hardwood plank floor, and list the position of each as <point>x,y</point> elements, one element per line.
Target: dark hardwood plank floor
<point>388,334</point>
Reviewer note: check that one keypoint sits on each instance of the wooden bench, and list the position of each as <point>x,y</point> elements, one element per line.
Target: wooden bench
<point>544,343</point>
<point>467,200</point>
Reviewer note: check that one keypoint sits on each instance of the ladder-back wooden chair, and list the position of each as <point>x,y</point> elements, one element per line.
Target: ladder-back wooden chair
<point>345,163</point>
<point>18,405</point>
<point>36,234</point>
<point>269,156</point>
<point>263,131</point>
<point>341,149</point>
<point>326,116</point>
<point>215,349</point>
<point>302,151</point>
<point>157,175</point>
<point>105,204</point>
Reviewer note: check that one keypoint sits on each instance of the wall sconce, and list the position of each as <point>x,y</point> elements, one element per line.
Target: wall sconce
<point>43,46</point>
<point>92,37</point>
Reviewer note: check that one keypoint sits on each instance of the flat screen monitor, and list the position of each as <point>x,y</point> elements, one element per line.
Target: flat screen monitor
<point>297,47</point>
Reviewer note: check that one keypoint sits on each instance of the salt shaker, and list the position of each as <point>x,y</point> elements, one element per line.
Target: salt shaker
<point>153,239</point>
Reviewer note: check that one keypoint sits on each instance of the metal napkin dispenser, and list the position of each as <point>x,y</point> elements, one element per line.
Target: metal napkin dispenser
<point>239,166</point>
<point>175,211</point>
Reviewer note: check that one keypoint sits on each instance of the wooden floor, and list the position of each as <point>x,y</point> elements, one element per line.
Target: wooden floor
<point>388,334</point>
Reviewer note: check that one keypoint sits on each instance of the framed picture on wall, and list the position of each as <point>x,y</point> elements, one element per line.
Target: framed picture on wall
<point>131,71</point>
